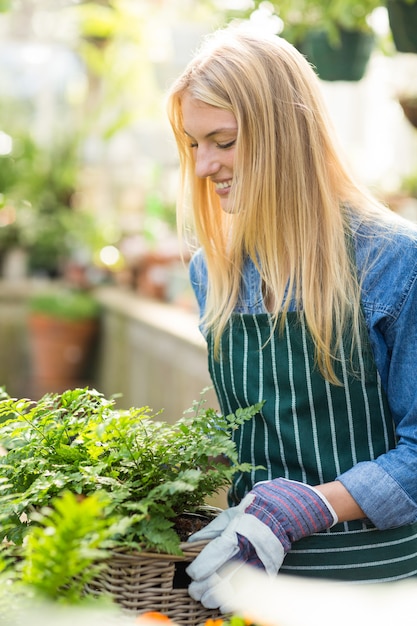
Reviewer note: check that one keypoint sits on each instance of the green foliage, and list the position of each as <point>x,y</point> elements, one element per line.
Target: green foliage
<point>67,304</point>
<point>409,182</point>
<point>301,16</point>
<point>63,553</point>
<point>37,186</point>
<point>151,471</point>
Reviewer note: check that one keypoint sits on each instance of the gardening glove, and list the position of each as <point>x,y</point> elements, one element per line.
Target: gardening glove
<point>259,531</point>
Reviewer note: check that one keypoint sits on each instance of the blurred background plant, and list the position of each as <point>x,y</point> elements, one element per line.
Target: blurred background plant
<point>37,214</point>
<point>300,17</point>
<point>65,198</point>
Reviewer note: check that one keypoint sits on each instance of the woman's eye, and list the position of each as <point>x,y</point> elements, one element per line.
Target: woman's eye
<point>193,145</point>
<point>224,146</point>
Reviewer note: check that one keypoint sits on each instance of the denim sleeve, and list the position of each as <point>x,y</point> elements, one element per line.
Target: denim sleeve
<point>386,488</point>
<point>198,278</point>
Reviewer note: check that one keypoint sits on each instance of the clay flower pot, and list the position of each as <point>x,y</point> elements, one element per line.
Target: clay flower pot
<point>63,331</point>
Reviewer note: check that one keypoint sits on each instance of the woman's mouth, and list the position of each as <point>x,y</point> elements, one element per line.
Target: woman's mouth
<point>223,186</point>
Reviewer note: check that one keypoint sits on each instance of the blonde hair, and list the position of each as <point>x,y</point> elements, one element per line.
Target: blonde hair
<point>290,189</point>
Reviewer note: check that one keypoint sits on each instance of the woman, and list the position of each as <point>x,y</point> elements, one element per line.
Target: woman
<point>308,299</point>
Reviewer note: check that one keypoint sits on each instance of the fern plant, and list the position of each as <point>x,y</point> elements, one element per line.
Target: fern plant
<point>62,553</point>
<point>150,471</point>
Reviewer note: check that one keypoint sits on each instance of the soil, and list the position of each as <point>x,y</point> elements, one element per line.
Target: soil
<point>188,523</point>
<point>185,525</point>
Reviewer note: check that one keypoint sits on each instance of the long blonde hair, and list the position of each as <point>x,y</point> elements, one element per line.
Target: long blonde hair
<point>290,189</point>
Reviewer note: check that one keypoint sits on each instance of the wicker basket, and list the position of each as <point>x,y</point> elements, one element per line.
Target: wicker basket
<point>144,581</point>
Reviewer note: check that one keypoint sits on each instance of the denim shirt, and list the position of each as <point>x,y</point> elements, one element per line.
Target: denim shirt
<point>385,488</point>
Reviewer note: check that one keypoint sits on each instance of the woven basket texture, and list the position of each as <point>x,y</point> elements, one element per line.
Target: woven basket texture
<point>144,581</point>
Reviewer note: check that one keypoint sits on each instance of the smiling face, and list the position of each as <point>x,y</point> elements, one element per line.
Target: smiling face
<point>212,133</point>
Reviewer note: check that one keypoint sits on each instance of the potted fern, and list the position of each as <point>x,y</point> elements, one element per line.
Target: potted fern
<point>154,477</point>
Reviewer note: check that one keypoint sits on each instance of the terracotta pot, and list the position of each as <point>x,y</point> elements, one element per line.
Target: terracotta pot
<point>152,274</point>
<point>60,352</point>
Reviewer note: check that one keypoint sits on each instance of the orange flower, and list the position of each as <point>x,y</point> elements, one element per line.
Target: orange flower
<point>153,616</point>
<point>213,622</point>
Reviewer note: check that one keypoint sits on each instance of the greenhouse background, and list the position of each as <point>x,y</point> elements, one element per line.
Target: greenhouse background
<point>88,176</point>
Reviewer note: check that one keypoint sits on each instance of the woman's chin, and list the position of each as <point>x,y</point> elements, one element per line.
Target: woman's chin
<point>226,204</point>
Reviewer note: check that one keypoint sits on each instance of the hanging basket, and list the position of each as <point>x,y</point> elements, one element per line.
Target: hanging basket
<point>144,581</point>
<point>403,24</point>
<point>346,60</point>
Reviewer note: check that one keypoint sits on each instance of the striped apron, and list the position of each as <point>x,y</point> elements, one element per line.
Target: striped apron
<point>311,431</point>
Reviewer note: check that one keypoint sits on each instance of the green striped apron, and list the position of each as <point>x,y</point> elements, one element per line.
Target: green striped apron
<point>311,431</point>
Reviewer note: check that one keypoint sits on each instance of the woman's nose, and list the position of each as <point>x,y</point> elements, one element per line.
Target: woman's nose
<point>205,163</point>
